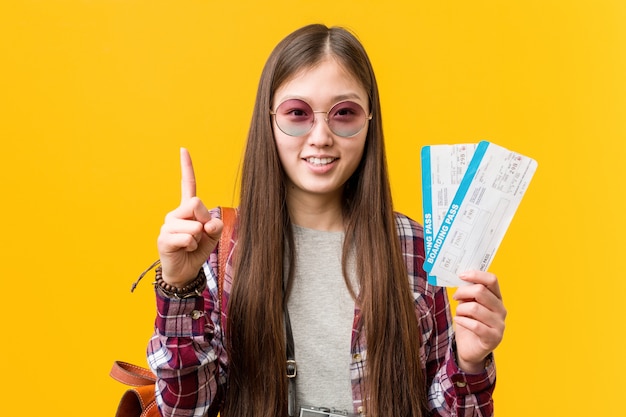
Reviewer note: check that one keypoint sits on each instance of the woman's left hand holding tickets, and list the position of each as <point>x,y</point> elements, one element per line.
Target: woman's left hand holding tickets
<point>480,316</point>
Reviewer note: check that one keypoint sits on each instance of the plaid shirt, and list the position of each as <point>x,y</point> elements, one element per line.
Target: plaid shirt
<point>188,357</point>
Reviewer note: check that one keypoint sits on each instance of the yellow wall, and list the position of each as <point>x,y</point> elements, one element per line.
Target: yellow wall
<point>97,96</point>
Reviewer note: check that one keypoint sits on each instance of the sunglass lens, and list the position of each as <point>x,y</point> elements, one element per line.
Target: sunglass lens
<point>294,117</point>
<point>346,119</point>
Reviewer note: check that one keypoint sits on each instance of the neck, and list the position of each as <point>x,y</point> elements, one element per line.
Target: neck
<point>316,212</point>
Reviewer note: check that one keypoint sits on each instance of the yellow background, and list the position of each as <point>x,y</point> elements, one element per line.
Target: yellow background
<point>97,96</point>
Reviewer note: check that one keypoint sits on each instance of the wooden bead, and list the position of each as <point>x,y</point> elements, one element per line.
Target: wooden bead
<point>194,288</point>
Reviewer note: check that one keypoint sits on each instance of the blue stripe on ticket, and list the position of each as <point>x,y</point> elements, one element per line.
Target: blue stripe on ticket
<point>442,233</point>
<point>427,205</point>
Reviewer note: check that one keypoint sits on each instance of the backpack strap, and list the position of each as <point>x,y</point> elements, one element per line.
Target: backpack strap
<point>139,400</point>
<point>132,375</point>
<point>229,218</point>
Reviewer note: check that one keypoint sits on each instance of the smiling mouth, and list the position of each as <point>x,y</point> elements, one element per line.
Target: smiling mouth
<point>320,161</point>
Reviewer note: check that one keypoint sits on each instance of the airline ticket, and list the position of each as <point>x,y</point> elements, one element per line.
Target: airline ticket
<point>467,236</point>
<point>443,168</point>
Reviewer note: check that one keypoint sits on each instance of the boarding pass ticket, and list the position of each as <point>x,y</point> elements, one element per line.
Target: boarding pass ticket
<point>470,194</point>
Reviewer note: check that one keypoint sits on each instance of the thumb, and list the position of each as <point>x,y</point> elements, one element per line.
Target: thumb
<point>213,228</point>
<point>210,238</point>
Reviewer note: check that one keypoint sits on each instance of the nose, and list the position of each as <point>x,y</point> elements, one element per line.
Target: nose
<point>320,134</point>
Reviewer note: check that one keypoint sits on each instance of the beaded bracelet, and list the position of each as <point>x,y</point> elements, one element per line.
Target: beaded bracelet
<point>194,288</point>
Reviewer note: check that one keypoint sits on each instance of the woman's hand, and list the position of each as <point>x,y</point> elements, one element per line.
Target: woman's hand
<point>479,319</point>
<point>189,234</point>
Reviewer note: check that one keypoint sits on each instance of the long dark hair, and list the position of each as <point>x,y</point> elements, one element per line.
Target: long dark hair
<point>257,383</point>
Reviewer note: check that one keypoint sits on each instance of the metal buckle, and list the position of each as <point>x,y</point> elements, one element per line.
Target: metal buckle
<point>291,368</point>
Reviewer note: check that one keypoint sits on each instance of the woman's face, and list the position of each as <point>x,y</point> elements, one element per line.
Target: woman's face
<point>318,163</point>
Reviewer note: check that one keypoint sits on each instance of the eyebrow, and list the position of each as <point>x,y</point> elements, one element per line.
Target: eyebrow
<point>334,99</point>
<point>346,97</point>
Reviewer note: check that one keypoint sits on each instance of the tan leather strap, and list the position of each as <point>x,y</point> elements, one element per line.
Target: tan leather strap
<point>229,217</point>
<point>139,401</point>
<point>132,375</point>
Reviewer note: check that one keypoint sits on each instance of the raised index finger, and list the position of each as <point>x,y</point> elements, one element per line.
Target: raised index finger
<point>188,177</point>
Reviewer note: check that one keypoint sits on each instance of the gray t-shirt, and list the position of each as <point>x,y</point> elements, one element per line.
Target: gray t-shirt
<point>321,311</point>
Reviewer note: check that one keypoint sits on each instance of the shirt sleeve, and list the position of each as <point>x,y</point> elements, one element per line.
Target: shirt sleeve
<point>451,392</point>
<point>184,351</point>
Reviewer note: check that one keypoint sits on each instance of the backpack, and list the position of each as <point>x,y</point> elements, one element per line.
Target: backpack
<point>140,401</point>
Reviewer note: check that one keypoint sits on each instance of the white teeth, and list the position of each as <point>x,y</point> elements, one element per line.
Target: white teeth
<point>320,161</point>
